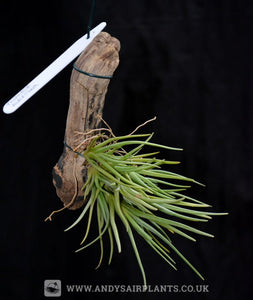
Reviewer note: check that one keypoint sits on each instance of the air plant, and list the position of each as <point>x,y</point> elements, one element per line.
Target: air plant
<point>133,188</point>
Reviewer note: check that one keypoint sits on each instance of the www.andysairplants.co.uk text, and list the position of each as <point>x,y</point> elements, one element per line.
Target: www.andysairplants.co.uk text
<point>56,288</point>
<point>167,288</point>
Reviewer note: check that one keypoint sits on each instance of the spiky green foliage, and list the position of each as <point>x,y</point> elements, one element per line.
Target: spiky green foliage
<point>132,188</point>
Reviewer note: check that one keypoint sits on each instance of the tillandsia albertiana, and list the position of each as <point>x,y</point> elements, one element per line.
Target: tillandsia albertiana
<point>127,186</point>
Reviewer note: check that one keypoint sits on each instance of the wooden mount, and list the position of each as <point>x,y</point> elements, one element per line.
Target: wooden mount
<point>87,96</point>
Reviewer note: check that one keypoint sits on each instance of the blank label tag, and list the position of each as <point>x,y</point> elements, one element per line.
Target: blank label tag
<point>51,71</point>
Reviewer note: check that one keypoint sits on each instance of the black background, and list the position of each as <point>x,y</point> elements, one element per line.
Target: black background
<point>187,62</point>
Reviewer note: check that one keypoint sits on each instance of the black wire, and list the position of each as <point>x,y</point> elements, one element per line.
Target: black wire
<point>90,74</point>
<point>88,36</point>
<point>65,144</point>
<point>91,17</point>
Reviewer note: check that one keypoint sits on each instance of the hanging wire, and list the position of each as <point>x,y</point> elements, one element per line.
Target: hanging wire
<point>88,36</point>
<point>91,18</point>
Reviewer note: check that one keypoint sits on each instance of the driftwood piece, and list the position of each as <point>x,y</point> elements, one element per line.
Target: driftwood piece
<point>87,95</point>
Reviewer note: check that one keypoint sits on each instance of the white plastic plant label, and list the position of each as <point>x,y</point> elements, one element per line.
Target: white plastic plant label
<point>52,70</point>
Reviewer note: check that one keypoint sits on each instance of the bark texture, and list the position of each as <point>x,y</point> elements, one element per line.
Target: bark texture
<point>87,96</point>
